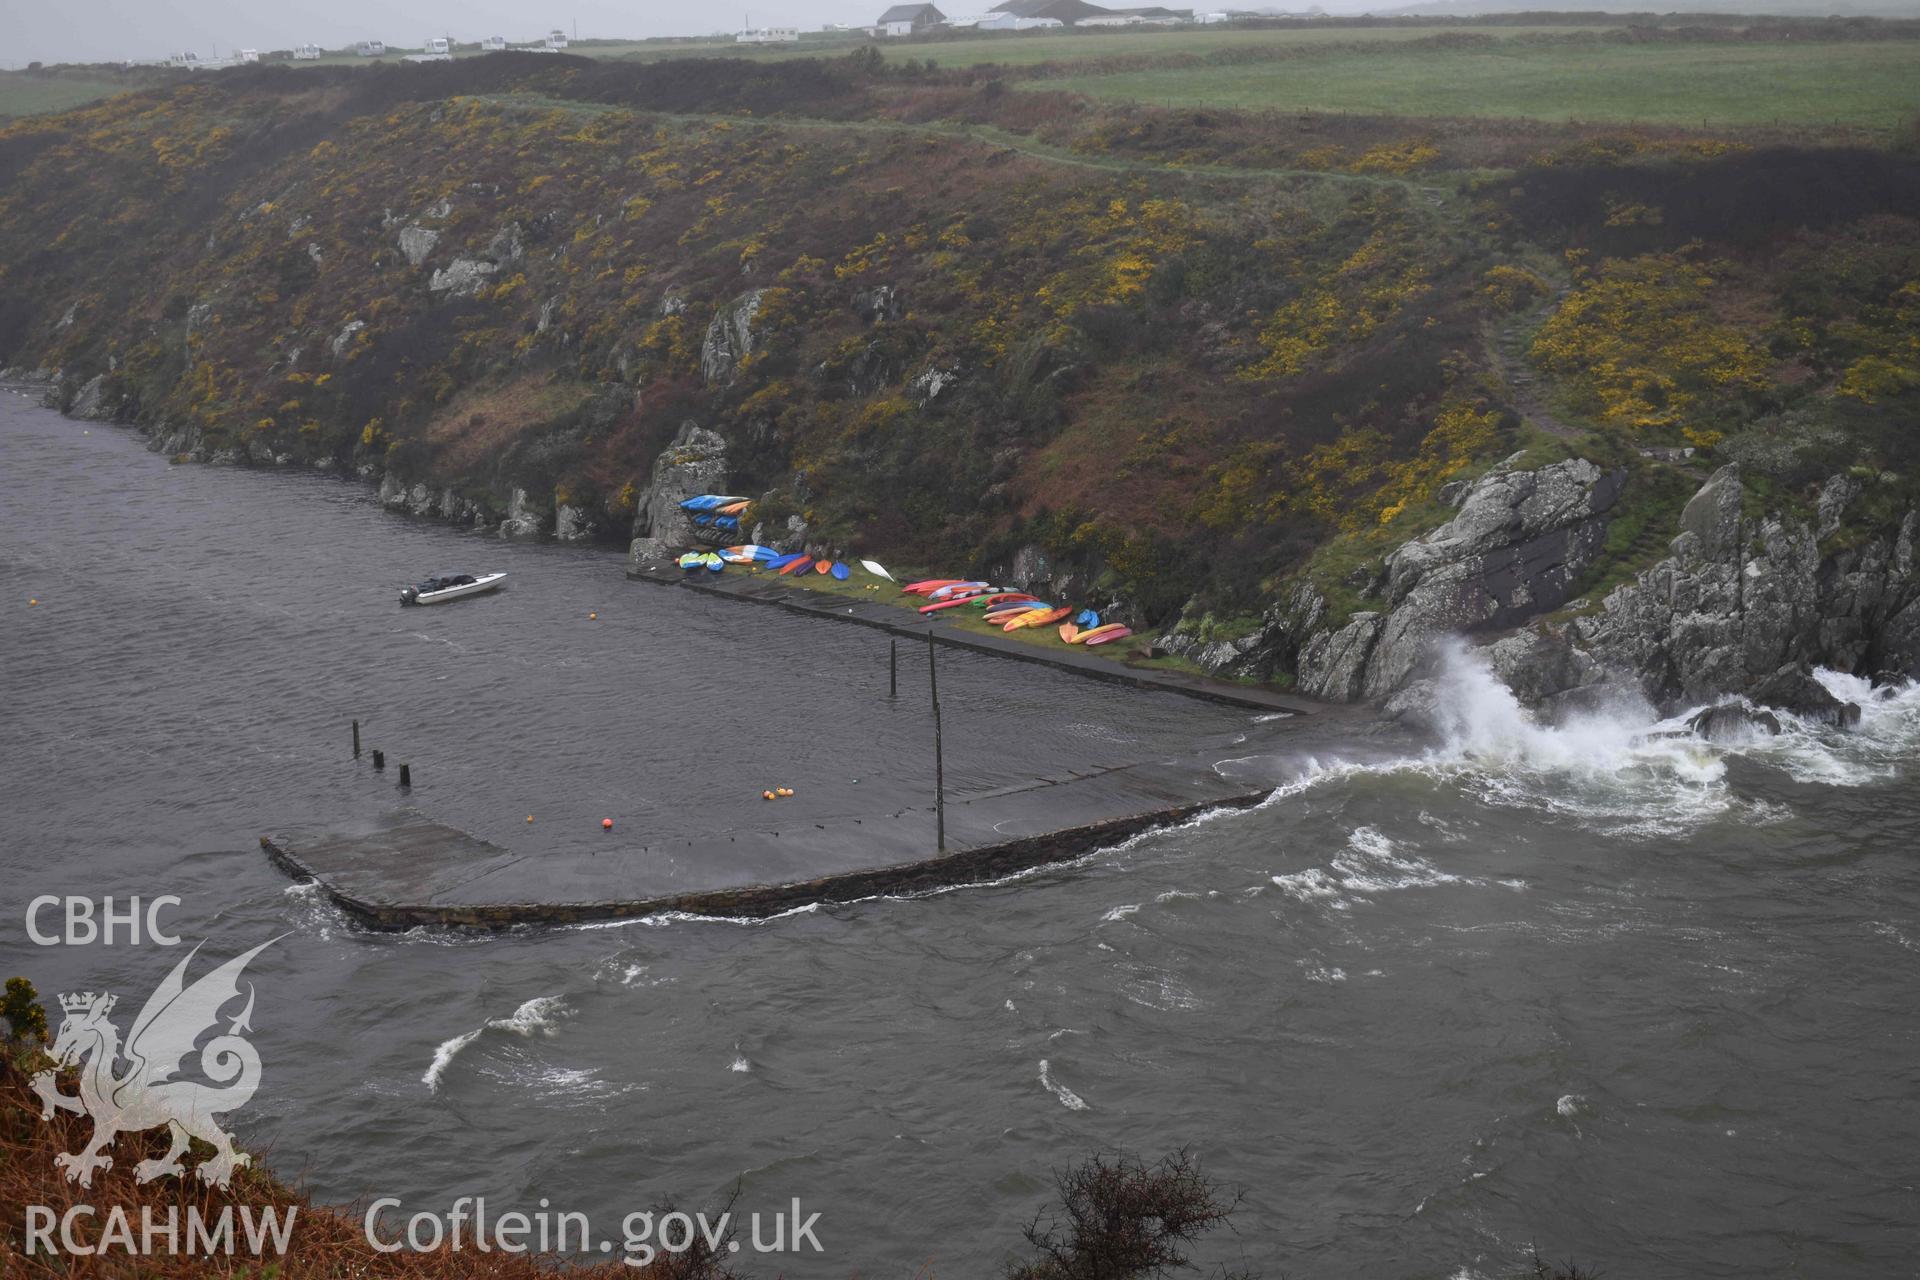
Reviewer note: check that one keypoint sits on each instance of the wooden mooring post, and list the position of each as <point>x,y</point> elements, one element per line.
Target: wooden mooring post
<point>406,775</point>
<point>356,739</point>
<point>893,668</point>
<point>939,765</point>
<point>379,758</point>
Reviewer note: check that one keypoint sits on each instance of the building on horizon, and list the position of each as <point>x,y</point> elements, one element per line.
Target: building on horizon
<point>308,52</point>
<point>371,49</point>
<point>767,35</point>
<point>909,19</point>
<point>494,44</point>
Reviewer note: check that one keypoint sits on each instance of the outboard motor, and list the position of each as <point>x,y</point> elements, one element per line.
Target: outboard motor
<point>410,595</point>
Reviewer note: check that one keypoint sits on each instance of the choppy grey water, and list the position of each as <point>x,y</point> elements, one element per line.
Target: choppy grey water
<point>1643,1001</point>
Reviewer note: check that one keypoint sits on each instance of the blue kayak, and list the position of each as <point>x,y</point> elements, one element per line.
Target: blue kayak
<point>1087,618</point>
<point>840,571</point>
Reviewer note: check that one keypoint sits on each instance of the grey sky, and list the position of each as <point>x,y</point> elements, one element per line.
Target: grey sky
<point>112,30</point>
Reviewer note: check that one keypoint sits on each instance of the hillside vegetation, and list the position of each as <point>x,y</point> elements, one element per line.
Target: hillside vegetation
<point>940,319</point>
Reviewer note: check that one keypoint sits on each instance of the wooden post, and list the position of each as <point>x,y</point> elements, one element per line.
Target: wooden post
<point>939,764</point>
<point>379,759</point>
<point>356,739</point>
<point>406,776</point>
<point>893,668</point>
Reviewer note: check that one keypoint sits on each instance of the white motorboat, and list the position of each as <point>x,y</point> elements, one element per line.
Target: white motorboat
<point>451,586</point>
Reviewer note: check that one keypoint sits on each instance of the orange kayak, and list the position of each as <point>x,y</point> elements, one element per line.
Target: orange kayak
<point>1069,632</point>
<point>823,566</point>
<point>1037,618</point>
<point>798,566</point>
<point>1101,635</point>
<point>930,584</point>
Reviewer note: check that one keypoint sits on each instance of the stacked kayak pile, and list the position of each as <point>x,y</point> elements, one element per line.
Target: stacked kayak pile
<point>1008,609</point>
<point>1015,610</point>
<point>759,557</point>
<point>716,510</point>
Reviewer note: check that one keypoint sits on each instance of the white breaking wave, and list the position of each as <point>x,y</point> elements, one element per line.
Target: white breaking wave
<point>1068,1098</point>
<point>1624,769</point>
<point>538,1016</point>
<point>1371,863</point>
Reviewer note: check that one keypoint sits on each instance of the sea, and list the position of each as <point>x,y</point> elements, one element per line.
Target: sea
<point>1602,990</point>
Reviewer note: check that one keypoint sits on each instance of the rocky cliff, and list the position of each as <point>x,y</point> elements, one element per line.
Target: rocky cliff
<point>1741,603</point>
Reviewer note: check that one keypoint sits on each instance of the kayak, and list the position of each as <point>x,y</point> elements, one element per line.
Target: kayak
<point>1038,618</point>
<point>823,566</point>
<point>1101,635</point>
<point>874,568</point>
<point>1001,613</point>
<point>799,565</point>
<point>840,572</point>
<point>451,587</point>
<point>781,562</point>
<point>733,508</point>
<point>1069,632</point>
<point>955,588</point>
<point>708,501</point>
<point>977,601</point>
<point>1088,618</point>
<point>930,584</point>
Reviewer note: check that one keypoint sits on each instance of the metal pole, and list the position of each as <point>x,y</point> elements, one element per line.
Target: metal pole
<point>893,668</point>
<point>939,764</point>
<point>356,739</point>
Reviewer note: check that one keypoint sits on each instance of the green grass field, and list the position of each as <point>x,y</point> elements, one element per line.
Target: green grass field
<point>1025,48</point>
<point>1869,84</point>
<point>24,95</point>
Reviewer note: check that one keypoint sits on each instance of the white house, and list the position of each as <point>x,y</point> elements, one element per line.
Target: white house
<point>494,44</point>
<point>1208,19</point>
<point>556,39</point>
<point>249,55</point>
<point>307,53</point>
<point>371,49</point>
<point>906,19</point>
<point>768,35</point>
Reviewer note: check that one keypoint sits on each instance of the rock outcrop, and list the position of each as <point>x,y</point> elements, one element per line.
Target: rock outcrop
<point>1739,605</point>
<point>695,463</point>
<point>730,337</point>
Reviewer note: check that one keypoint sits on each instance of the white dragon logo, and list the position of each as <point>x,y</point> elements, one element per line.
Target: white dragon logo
<point>144,1097</point>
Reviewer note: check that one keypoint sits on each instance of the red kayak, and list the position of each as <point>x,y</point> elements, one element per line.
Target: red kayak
<point>798,566</point>
<point>931,584</point>
<point>974,599</point>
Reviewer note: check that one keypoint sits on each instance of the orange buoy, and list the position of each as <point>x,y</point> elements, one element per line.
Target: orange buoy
<point>593,617</point>
<point>606,824</point>
<point>766,795</point>
<point>31,603</point>
<point>529,817</point>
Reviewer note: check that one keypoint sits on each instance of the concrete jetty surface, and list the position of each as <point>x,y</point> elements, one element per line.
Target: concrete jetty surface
<point>770,589</point>
<point>404,870</point>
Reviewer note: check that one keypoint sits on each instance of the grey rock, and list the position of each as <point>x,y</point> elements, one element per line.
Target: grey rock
<point>572,523</point>
<point>90,401</point>
<point>881,302</point>
<point>524,520</point>
<point>929,383</point>
<point>343,339</point>
<point>417,242</point>
<point>1712,515</point>
<point>463,277</point>
<point>1733,722</point>
<point>695,463</point>
<point>730,337</point>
